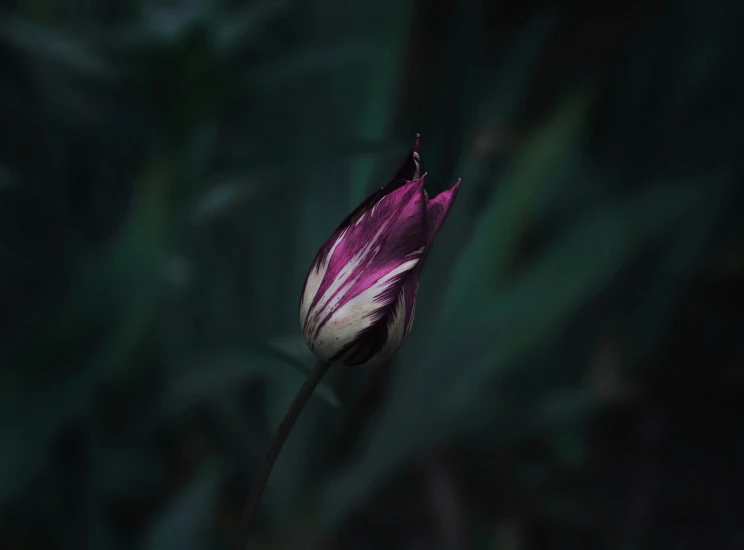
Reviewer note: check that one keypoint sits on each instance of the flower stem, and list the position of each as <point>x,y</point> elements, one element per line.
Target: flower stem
<point>259,483</point>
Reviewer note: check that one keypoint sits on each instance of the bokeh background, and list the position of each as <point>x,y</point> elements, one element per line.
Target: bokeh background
<point>168,170</point>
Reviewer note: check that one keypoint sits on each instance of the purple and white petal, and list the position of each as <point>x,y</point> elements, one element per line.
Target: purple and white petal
<point>357,275</point>
<point>359,299</point>
<point>389,335</point>
<point>400,322</point>
<point>408,171</point>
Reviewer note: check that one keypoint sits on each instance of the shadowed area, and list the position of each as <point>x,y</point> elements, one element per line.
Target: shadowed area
<point>169,171</point>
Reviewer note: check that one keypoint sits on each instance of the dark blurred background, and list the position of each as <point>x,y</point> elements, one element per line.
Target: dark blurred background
<point>168,170</point>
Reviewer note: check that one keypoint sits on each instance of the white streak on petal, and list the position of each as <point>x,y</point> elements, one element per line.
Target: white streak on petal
<point>415,252</point>
<point>372,212</point>
<point>410,320</point>
<point>346,322</point>
<point>396,330</point>
<point>320,310</point>
<point>315,277</point>
<point>360,218</point>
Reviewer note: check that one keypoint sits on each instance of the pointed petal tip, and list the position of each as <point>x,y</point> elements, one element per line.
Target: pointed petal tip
<point>416,144</point>
<point>419,184</point>
<point>447,196</point>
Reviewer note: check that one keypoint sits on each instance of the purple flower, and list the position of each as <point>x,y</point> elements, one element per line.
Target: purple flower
<point>359,298</point>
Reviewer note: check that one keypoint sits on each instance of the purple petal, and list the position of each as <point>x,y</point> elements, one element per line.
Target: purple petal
<point>383,339</point>
<point>408,171</point>
<point>359,299</point>
<point>437,210</point>
<point>356,278</point>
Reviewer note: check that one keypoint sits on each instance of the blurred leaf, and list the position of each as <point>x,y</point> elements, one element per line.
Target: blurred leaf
<point>186,523</point>
<point>25,430</point>
<point>315,158</point>
<point>289,483</point>
<point>570,448</point>
<point>289,480</point>
<point>246,24</point>
<point>120,287</point>
<point>272,291</point>
<point>63,69</point>
<point>281,112</point>
<point>681,262</point>
<point>94,529</point>
<point>292,68</point>
<point>698,62</point>
<point>6,177</point>
<point>507,215</point>
<point>568,276</point>
<point>506,96</point>
<point>428,405</point>
<point>198,157</point>
<point>295,347</point>
<point>568,510</point>
<point>130,471</point>
<point>380,88</point>
<point>53,45</point>
<point>560,406</point>
<point>554,415</point>
<point>215,376</point>
<point>507,535</point>
<point>132,265</point>
<point>169,21</point>
<point>228,193</point>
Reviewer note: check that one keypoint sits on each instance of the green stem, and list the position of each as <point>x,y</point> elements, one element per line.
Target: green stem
<point>254,498</point>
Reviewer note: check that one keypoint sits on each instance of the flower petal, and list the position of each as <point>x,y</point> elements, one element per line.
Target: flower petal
<point>357,275</point>
<point>384,335</point>
<point>401,321</point>
<point>408,171</point>
<point>391,335</point>
<point>437,210</point>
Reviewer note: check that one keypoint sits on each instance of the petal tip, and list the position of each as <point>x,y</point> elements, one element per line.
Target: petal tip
<point>455,188</point>
<point>409,170</point>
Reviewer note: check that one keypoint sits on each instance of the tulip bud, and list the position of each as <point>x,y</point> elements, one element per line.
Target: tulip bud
<point>359,298</point>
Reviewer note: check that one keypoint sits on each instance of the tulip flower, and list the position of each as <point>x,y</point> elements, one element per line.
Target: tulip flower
<point>359,298</point>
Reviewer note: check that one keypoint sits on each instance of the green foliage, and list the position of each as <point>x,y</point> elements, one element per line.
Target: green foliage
<point>169,170</point>
<point>186,523</point>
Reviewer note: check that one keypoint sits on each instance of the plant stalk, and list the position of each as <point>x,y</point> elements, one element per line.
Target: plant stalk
<point>259,484</point>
